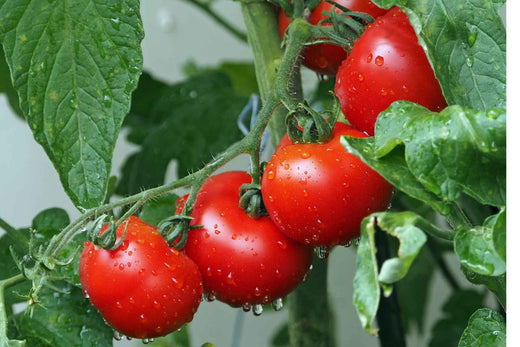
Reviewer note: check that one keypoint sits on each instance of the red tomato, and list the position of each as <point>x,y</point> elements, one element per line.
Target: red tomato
<point>386,64</point>
<point>143,288</point>
<point>243,261</point>
<point>326,58</point>
<point>318,194</point>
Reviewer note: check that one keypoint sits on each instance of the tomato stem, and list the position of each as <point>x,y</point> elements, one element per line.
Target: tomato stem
<point>310,320</point>
<point>4,340</point>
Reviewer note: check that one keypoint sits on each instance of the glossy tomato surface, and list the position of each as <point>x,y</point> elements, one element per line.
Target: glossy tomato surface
<point>318,194</point>
<point>326,58</point>
<point>243,261</point>
<point>386,64</point>
<point>143,288</point>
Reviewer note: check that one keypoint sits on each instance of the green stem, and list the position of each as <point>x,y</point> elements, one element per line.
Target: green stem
<point>457,219</point>
<point>204,7</point>
<point>4,341</point>
<point>261,22</point>
<point>311,322</point>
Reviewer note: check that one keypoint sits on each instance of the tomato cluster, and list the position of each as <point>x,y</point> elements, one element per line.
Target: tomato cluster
<point>315,194</point>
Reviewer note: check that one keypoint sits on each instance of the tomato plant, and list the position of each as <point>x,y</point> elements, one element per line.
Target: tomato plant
<point>318,194</point>
<point>243,261</point>
<point>143,288</point>
<point>386,64</point>
<point>129,125</point>
<point>325,58</point>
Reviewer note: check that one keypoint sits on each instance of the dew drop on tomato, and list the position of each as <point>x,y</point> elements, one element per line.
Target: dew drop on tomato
<point>258,309</point>
<point>277,304</point>
<point>246,307</point>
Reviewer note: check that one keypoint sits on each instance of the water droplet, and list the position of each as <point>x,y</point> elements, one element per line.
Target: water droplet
<point>379,60</point>
<point>230,280</point>
<point>131,300</point>
<point>107,98</point>
<point>322,252</point>
<point>357,241</point>
<point>305,192</point>
<point>383,92</point>
<point>85,294</point>
<point>469,61</point>
<point>246,307</point>
<point>277,304</point>
<point>118,336</point>
<point>472,35</point>
<point>281,244</point>
<point>286,166</point>
<point>361,77</point>
<point>73,102</point>
<point>178,282</point>
<point>348,244</point>
<point>270,174</point>
<point>121,266</point>
<point>116,23</point>
<point>369,58</point>
<point>257,291</point>
<point>305,155</point>
<point>148,340</point>
<point>258,309</point>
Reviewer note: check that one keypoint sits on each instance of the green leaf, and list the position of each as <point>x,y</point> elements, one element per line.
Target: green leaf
<point>9,268</point>
<point>466,43</point>
<point>7,87</point>
<point>155,210</point>
<point>444,153</point>
<point>241,74</point>
<point>475,247</point>
<point>414,291</point>
<point>74,65</point>
<point>485,328</point>
<point>456,312</point>
<point>496,284</point>
<point>51,221</point>
<point>63,320</point>
<point>190,121</point>
<point>368,278</point>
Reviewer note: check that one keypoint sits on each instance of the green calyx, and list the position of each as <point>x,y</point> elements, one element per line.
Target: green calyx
<point>108,238</point>
<point>251,201</point>
<point>175,230</point>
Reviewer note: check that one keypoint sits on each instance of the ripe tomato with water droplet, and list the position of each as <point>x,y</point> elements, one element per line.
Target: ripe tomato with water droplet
<point>152,291</point>
<point>250,261</point>
<point>394,67</point>
<point>326,192</point>
<point>325,58</point>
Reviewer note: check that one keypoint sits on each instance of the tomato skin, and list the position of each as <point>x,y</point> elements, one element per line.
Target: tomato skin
<point>242,260</point>
<point>143,288</point>
<point>326,58</point>
<point>386,64</point>
<point>318,194</point>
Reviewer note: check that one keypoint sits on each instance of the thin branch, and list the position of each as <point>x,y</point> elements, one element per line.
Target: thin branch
<point>204,7</point>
